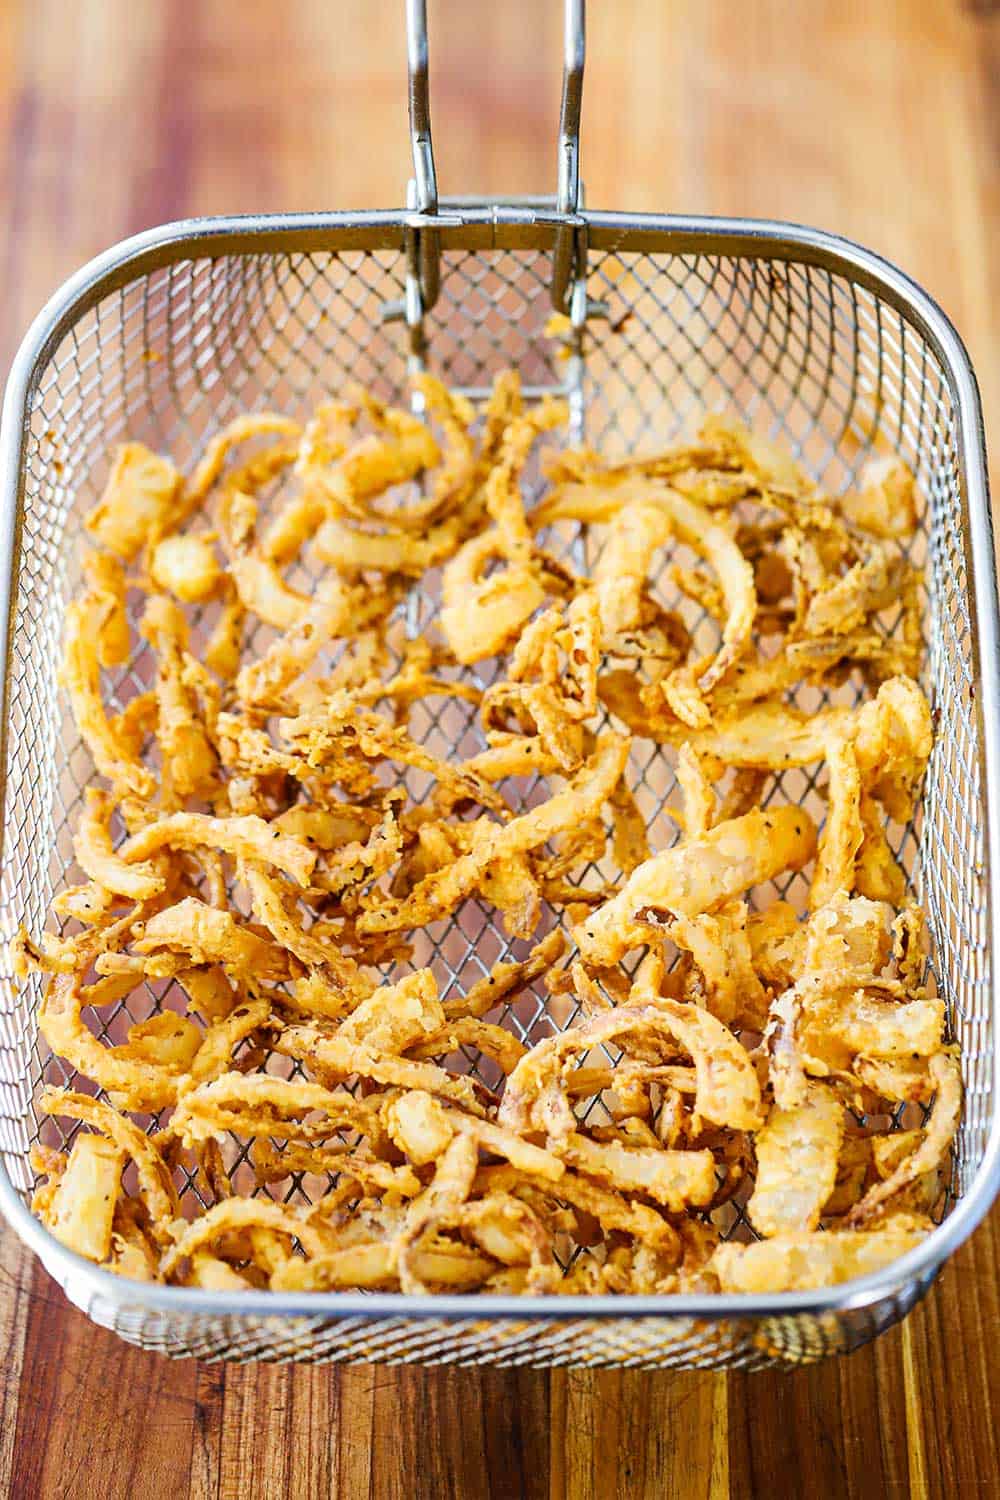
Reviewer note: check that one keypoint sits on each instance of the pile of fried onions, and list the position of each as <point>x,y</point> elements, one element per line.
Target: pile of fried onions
<point>268,835</point>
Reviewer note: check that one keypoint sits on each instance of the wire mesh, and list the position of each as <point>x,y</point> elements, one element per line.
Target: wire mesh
<point>809,357</point>
<point>667,1342</point>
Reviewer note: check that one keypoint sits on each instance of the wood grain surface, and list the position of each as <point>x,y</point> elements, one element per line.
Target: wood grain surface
<point>880,120</point>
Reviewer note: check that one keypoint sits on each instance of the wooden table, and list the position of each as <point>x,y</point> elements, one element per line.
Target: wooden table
<point>881,121</point>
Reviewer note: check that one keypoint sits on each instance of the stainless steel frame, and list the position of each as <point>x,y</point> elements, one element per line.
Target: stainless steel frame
<point>827,344</point>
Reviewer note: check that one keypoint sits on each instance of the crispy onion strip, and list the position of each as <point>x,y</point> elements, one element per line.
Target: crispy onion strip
<point>156,1183</point>
<point>647,515</point>
<point>438,893</point>
<point>340,1056</point>
<point>250,838</point>
<point>698,876</point>
<point>727,1090</point>
<point>800,1261</point>
<point>96,856</point>
<point>240,1214</point>
<point>797,1153</point>
<point>259,1104</point>
<point>147,1086</point>
<point>936,1139</point>
<point>113,756</point>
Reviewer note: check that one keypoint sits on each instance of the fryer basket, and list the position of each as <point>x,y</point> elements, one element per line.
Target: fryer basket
<point>817,342</point>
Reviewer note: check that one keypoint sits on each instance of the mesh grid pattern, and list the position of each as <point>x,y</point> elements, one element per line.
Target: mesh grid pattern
<point>810,358</point>
<point>642,1343</point>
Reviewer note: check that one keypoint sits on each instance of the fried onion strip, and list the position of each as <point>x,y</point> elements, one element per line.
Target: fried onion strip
<point>698,876</point>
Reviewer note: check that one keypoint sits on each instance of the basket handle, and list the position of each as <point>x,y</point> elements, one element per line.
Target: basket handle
<point>424,191</point>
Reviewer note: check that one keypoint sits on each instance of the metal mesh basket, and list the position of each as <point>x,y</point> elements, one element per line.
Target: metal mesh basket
<point>815,341</point>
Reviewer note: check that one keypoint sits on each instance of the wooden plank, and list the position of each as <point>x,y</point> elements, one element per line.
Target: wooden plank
<point>283,1429</point>
<point>453,1433</point>
<point>278,1424</point>
<point>355,1394</point>
<point>836,1428</point>
<point>15,1297</point>
<point>952,1371</point>
<point>287,1429</point>
<point>206,1432</point>
<point>369,1431</point>
<point>97,1416</point>
<point>635,1436</point>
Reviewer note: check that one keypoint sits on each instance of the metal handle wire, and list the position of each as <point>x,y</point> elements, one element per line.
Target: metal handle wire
<point>424,191</point>
<point>423,195</point>
<point>568,241</point>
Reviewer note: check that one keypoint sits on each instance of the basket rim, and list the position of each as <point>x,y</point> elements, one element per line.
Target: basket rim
<point>510,224</point>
